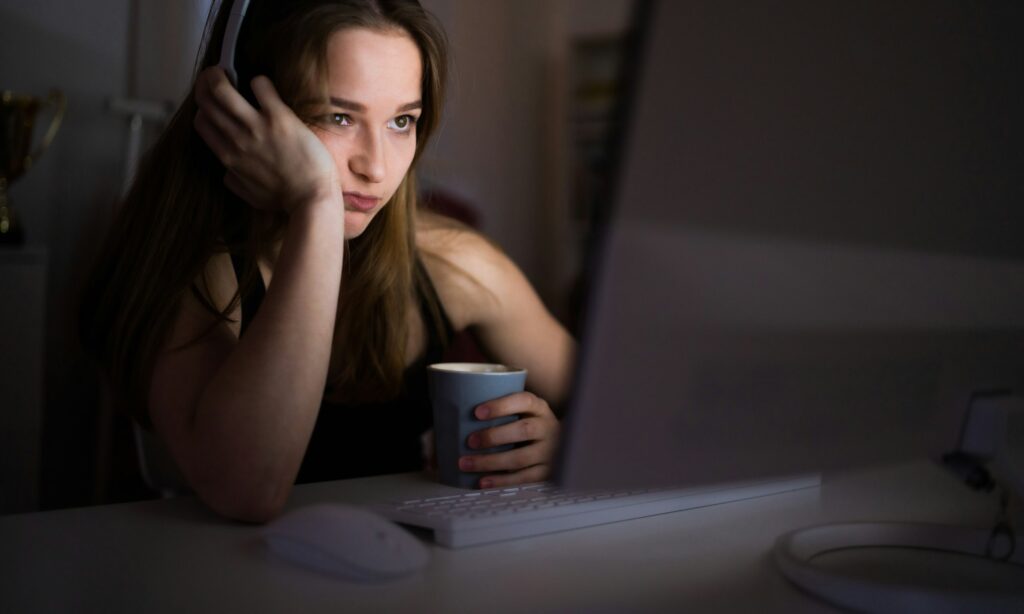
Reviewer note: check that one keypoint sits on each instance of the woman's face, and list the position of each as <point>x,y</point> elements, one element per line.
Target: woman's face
<point>369,125</point>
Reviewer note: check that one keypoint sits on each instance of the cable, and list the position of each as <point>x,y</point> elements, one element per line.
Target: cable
<point>796,551</point>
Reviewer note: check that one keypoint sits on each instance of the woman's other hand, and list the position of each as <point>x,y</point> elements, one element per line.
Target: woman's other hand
<point>273,160</point>
<point>536,432</point>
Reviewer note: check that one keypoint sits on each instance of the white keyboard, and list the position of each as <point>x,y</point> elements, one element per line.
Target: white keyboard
<point>483,516</point>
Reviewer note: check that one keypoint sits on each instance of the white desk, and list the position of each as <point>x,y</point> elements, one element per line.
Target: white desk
<point>175,556</point>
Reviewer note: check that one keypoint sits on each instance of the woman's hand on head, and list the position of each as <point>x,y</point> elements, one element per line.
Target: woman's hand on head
<point>536,433</point>
<point>273,160</point>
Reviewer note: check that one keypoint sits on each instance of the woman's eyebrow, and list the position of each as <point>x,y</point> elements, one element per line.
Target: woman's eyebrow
<point>342,103</point>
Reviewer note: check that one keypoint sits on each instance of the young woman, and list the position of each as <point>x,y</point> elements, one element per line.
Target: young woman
<point>270,295</point>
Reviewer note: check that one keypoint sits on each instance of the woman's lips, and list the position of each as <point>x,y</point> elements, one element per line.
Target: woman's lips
<point>360,202</point>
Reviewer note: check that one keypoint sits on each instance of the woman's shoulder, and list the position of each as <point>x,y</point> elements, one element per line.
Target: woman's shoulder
<point>442,238</point>
<point>470,272</point>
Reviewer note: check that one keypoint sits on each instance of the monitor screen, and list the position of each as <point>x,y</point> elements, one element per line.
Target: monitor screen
<point>814,257</point>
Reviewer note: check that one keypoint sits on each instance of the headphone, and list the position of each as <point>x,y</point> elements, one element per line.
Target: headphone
<point>227,50</point>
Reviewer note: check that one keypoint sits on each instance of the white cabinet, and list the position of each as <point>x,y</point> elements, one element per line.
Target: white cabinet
<point>22,339</point>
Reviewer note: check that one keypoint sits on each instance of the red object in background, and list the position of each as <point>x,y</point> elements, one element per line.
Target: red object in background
<point>450,205</point>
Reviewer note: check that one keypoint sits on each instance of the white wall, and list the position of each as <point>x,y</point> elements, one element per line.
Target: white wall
<point>91,52</point>
<point>165,43</point>
<point>78,47</point>
<point>598,17</point>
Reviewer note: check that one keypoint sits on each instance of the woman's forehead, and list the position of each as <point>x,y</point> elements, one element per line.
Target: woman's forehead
<point>374,67</point>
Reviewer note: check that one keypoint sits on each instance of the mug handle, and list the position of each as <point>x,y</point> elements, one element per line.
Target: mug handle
<point>59,102</point>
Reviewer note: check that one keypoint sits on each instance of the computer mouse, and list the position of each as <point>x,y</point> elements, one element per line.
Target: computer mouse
<point>345,541</point>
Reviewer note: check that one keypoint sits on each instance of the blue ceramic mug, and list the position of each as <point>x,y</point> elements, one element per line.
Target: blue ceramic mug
<point>456,389</point>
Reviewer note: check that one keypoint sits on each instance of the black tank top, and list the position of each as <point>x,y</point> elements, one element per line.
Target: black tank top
<point>351,441</point>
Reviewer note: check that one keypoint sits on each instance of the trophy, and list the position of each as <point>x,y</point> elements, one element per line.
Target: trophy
<point>17,118</point>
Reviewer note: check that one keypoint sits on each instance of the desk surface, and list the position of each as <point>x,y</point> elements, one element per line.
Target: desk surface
<point>175,556</point>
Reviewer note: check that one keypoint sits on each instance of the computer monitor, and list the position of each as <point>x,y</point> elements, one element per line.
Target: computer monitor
<point>814,256</point>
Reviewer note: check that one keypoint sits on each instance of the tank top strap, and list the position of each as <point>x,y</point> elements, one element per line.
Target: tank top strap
<point>251,299</point>
<point>439,330</point>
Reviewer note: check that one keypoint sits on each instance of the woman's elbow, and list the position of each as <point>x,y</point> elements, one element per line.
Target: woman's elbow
<point>253,505</point>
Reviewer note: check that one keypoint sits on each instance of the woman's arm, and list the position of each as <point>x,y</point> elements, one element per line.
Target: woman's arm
<point>237,413</point>
<point>482,289</point>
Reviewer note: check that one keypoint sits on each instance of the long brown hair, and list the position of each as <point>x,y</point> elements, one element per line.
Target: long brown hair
<point>178,213</point>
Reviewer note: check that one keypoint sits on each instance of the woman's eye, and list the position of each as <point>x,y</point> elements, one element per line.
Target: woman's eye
<point>402,123</point>
<point>335,119</point>
<point>341,119</point>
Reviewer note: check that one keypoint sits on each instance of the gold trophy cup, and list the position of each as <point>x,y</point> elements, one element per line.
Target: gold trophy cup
<point>17,117</point>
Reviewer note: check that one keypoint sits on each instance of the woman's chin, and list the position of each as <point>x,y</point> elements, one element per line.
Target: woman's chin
<point>356,223</point>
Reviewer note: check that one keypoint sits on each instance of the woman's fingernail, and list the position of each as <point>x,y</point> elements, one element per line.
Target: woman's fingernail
<point>466,463</point>
<point>486,483</point>
<point>483,412</point>
<point>474,441</point>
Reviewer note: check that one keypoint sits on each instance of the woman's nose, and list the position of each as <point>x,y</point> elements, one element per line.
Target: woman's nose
<point>367,160</point>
